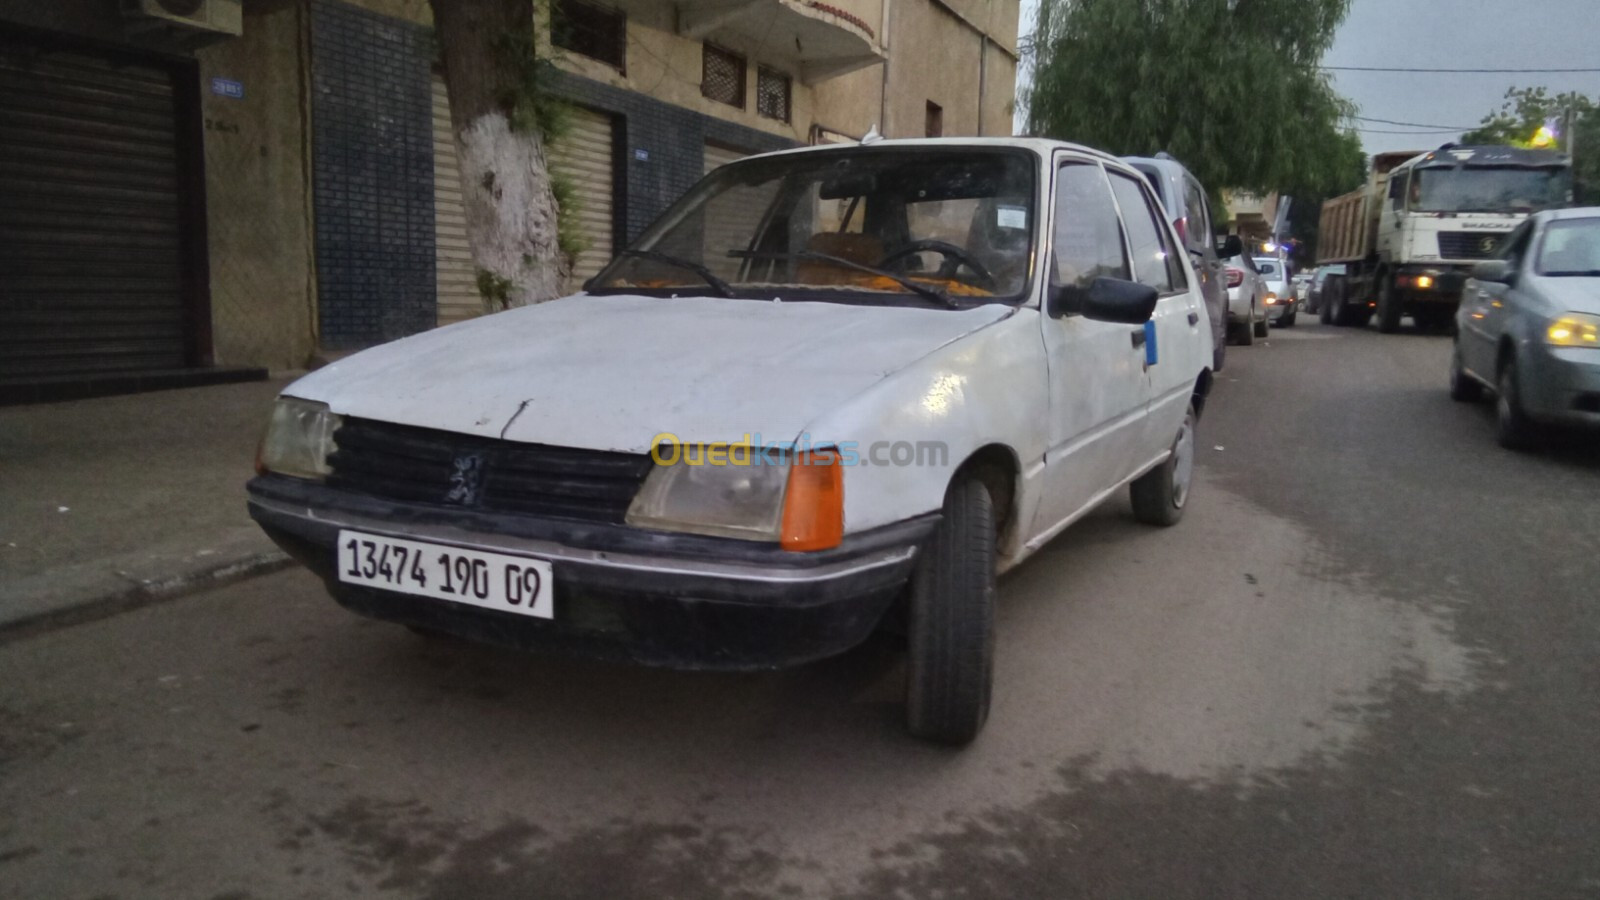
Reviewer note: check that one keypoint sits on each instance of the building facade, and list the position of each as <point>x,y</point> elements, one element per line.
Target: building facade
<point>198,190</point>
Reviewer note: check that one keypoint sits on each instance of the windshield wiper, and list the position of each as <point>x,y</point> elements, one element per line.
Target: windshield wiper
<point>925,290</point>
<point>720,286</point>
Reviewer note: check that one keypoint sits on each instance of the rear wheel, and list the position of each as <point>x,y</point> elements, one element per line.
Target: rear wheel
<point>1247,329</point>
<point>1263,325</point>
<point>1287,321</point>
<point>1333,300</point>
<point>1160,495</point>
<point>950,670</point>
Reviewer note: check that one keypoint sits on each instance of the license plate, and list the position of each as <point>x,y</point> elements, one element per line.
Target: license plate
<point>515,584</point>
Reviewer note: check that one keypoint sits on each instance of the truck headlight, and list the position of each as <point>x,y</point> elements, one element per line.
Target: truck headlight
<point>1574,330</point>
<point>795,499</point>
<point>299,438</point>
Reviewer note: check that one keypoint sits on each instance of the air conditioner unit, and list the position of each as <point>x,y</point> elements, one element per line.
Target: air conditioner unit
<point>186,19</point>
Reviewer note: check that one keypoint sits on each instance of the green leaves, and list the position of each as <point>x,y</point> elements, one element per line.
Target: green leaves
<point>1526,109</point>
<point>1230,87</point>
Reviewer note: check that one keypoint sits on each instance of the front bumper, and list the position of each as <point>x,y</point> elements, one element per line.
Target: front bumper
<point>679,601</point>
<point>1561,385</point>
<point>1430,284</point>
<point>1281,308</point>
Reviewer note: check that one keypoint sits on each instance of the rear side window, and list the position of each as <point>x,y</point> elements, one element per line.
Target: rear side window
<point>1154,259</point>
<point>1199,215</point>
<point>1088,238</point>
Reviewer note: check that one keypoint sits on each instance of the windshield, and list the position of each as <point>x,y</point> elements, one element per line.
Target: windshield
<point>1571,248</point>
<point>1488,189</point>
<point>875,223</point>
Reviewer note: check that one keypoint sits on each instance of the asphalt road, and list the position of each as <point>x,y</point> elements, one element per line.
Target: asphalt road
<point>1365,665</point>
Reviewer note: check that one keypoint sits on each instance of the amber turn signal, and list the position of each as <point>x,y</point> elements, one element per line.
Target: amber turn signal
<point>813,504</point>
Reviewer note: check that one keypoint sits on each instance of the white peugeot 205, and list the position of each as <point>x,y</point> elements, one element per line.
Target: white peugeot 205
<point>829,390</point>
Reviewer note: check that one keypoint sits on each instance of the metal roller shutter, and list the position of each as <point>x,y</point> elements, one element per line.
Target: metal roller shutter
<point>718,156</point>
<point>91,240</point>
<point>457,275</point>
<point>585,156</point>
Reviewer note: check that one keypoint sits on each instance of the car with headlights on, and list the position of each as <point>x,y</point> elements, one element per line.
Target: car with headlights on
<point>1528,328</point>
<point>828,390</point>
<point>1282,304</point>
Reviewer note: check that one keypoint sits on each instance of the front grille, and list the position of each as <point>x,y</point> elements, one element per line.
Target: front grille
<point>421,465</point>
<point>1467,244</point>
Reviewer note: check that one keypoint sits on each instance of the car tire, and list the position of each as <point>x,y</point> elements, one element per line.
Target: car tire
<point>1287,320</point>
<point>1247,330</point>
<point>1388,306</point>
<point>1463,387</point>
<point>1263,326</point>
<point>950,667</point>
<point>1160,495</point>
<point>1513,429</point>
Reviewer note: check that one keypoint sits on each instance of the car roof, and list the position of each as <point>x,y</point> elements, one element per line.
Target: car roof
<point>1576,212</point>
<point>1042,146</point>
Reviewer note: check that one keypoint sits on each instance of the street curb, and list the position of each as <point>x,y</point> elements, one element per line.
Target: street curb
<point>149,593</point>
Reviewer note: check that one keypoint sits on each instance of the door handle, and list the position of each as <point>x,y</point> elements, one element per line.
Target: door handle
<point>1194,317</point>
<point>1138,337</point>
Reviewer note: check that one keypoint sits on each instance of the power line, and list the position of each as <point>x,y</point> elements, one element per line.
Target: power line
<point>1414,124</point>
<point>1460,71</point>
<point>1417,133</point>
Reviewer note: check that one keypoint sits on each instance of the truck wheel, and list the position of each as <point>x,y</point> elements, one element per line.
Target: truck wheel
<point>1333,297</point>
<point>1513,428</point>
<point>1388,306</point>
<point>1325,308</point>
<point>950,670</point>
<point>1159,495</point>
<point>1463,387</point>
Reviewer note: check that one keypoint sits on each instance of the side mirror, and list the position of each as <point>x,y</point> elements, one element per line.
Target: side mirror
<point>1229,246</point>
<point>1104,300</point>
<point>1496,270</point>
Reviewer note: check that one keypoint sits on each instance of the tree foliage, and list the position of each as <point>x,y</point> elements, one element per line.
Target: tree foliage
<point>1522,113</point>
<point>1230,87</point>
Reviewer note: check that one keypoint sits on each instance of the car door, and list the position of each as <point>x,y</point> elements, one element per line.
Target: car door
<point>1099,389</point>
<point>1209,266</point>
<point>1179,323</point>
<point>1488,308</point>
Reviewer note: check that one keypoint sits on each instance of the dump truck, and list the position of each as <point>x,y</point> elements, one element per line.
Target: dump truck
<point>1408,238</point>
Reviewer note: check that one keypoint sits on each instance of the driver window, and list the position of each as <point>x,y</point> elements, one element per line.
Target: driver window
<point>1515,246</point>
<point>1397,189</point>
<point>1087,233</point>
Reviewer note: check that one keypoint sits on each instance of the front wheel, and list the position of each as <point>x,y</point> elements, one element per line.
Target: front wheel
<point>1388,306</point>
<point>1513,428</point>
<point>1160,495</point>
<point>950,672</point>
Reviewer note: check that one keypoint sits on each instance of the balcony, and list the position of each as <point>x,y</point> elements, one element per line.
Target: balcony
<point>819,39</point>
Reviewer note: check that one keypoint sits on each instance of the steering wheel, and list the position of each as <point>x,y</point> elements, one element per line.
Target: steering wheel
<point>954,258</point>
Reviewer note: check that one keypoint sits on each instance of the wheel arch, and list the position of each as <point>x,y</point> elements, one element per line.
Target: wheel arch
<point>999,469</point>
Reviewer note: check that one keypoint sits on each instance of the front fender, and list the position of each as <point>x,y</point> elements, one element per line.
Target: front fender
<point>904,437</point>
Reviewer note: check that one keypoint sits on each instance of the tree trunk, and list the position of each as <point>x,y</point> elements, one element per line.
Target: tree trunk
<point>505,177</point>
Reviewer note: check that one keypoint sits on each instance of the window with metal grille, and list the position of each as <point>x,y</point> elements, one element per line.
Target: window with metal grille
<point>772,94</point>
<point>589,30</point>
<point>722,75</point>
<point>935,119</point>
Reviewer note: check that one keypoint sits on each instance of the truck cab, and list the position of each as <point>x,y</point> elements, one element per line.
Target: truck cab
<point>1426,221</point>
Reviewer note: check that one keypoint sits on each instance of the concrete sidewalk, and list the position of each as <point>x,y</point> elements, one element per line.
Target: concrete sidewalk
<point>117,501</point>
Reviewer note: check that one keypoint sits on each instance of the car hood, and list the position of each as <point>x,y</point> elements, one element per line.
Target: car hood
<point>613,372</point>
<point>1572,294</point>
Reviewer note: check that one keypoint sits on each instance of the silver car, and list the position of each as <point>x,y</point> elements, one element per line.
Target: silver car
<point>1281,303</point>
<point>1247,301</point>
<point>1528,329</point>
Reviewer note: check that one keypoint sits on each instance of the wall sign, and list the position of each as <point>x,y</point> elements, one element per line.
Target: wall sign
<point>227,87</point>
